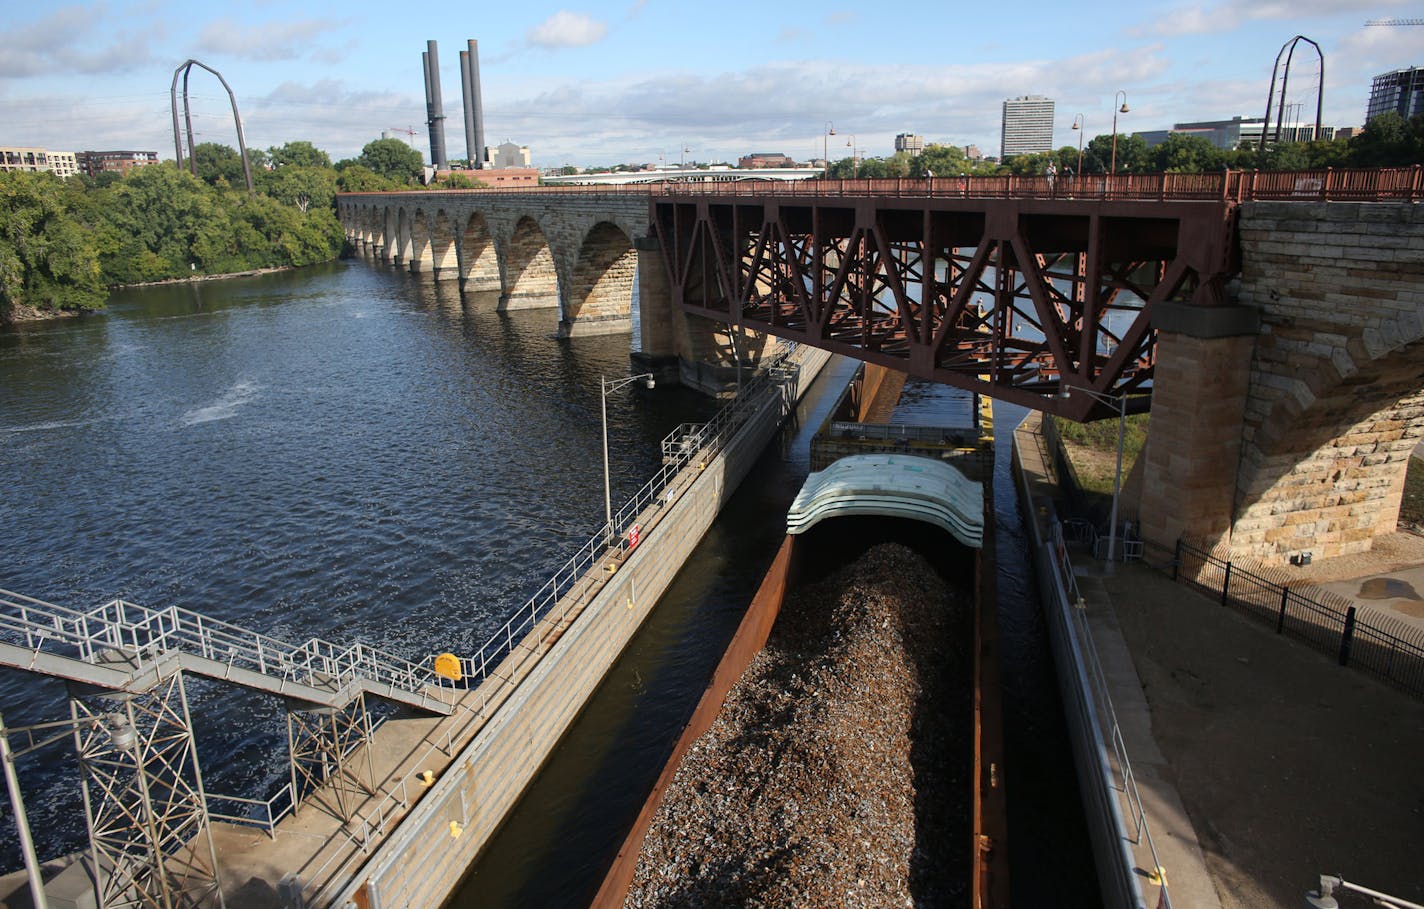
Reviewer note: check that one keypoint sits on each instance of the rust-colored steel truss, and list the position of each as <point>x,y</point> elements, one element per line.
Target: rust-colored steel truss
<point>1015,299</point>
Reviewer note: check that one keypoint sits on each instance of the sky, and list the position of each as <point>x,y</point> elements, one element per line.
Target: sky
<point>649,81</point>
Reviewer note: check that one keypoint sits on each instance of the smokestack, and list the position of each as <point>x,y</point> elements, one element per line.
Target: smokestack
<point>474,108</point>
<point>435,114</point>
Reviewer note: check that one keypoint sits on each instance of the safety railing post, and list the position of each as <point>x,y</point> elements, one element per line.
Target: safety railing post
<point>1226,584</point>
<point>1177,559</point>
<point>1347,636</point>
<point>1281,620</point>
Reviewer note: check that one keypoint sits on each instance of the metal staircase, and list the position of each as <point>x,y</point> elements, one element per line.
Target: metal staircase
<point>121,646</point>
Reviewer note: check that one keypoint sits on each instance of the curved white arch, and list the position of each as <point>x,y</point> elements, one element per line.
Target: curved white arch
<point>892,486</point>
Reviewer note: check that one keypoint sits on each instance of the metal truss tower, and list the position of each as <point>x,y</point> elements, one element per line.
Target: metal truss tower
<point>143,798</point>
<point>323,743</point>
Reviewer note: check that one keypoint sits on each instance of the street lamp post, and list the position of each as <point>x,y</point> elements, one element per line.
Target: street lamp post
<point>683,165</point>
<point>1116,111</point>
<point>1081,126</point>
<point>826,134</point>
<point>1120,403</point>
<point>854,173</point>
<point>605,387</point>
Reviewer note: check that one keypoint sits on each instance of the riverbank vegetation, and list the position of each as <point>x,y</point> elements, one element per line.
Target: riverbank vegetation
<point>64,243</point>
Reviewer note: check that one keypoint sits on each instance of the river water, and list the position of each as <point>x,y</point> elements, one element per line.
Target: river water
<point>348,452</point>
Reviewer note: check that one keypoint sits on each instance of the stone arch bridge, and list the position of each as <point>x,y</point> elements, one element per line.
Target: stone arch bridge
<point>1278,344</point>
<point>584,255</point>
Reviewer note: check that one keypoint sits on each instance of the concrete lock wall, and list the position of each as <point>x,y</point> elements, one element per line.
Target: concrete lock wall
<point>421,863</point>
<point>1306,422</point>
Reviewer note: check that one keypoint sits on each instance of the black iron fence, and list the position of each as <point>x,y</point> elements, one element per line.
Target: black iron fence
<point>1366,641</point>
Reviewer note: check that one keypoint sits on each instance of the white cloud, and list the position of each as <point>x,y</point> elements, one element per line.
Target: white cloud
<point>63,41</point>
<point>270,41</point>
<point>566,29</point>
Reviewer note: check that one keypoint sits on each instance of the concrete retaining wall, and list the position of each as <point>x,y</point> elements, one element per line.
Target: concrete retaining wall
<point>420,865</point>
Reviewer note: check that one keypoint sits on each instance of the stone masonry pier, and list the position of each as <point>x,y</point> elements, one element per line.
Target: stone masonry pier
<point>1284,424</point>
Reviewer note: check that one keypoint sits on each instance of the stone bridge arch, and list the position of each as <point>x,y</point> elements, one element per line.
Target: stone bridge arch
<point>1314,414</point>
<point>580,254</point>
<point>398,239</point>
<point>531,279</point>
<point>600,289</point>
<point>420,259</point>
<point>479,259</point>
<point>444,258</point>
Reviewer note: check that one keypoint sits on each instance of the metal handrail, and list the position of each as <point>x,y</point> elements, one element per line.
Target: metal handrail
<point>1142,830</point>
<point>120,633</point>
<point>1231,186</point>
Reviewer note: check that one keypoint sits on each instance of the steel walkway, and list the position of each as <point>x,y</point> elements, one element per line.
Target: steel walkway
<point>121,646</point>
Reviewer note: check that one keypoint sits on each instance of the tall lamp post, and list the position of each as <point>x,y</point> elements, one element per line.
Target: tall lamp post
<point>854,173</point>
<point>1119,403</point>
<point>829,131</point>
<point>1117,110</point>
<point>1081,126</point>
<point>607,386</point>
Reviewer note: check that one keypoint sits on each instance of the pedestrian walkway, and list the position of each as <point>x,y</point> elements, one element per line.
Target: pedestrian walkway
<point>1281,765</point>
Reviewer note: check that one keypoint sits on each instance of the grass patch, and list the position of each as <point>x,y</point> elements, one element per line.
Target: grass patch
<point>1092,447</point>
<point>1411,507</point>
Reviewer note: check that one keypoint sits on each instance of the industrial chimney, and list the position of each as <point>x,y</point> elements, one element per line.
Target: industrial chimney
<point>434,109</point>
<point>474,109</point>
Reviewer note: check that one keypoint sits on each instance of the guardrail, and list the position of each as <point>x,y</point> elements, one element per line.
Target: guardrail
<point>1384,184</point>
<point>1357,640</point>
<point>132,638</point>
<point>1126,784</point>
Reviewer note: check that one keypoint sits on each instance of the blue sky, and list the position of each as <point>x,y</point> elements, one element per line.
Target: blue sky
<point>636,80</point>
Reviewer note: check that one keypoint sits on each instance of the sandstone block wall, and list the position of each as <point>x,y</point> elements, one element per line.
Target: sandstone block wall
<point>1335,403</point>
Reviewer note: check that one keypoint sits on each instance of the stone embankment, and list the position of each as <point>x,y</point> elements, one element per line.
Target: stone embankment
<point>839,772</point>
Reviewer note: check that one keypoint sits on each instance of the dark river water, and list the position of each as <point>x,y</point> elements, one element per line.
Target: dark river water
<point>349,453</point>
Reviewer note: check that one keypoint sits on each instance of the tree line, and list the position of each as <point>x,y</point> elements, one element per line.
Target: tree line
<point>1388,140</point>
<point>64,243</point>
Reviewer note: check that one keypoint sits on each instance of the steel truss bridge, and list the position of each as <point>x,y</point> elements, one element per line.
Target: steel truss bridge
<point>1007,299</point>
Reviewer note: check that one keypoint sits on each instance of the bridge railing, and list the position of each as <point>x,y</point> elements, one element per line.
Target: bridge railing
<point>1384,184</point>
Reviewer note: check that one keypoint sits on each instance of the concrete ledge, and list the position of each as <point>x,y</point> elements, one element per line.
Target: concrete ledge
<point>509,302</point>
<point>1206,321</point>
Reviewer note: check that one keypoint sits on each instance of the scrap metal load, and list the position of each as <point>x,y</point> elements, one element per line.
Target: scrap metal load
<point>840,771</point>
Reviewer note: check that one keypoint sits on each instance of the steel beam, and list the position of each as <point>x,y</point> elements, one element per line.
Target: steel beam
<point>1005,297</point>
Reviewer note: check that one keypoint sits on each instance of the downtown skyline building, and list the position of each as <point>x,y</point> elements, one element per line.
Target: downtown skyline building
<point>1027,126</point>
<point>1401,91</point>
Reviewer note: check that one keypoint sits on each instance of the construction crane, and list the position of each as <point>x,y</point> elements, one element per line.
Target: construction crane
<point>1395,22</point>
<point>409,131</point>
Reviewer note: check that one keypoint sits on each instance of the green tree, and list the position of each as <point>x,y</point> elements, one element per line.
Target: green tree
<point>356,178</point>
<point>1388,140</point>
<point>1132,155</point>
<point>217,163</point>
<point>1183,153</point>
<point>393,159</point>
<point>47,257</point>
<point>454,180</point>
<point>301,186</point>
<point>298,154</point>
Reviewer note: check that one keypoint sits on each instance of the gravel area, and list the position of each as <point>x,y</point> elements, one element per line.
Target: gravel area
<point>839,771</point>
